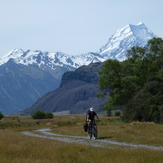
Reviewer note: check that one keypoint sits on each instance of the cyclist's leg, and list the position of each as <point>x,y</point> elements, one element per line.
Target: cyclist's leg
<point>90,129</point>
<point>89,123</point>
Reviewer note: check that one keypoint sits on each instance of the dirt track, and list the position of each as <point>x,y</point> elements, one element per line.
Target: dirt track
<point>104,143</point>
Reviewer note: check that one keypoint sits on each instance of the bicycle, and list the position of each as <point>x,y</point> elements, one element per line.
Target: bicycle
<point>92,130</point>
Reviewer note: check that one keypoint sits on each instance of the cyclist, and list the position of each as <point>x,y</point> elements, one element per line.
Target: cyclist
<point>91,116</point>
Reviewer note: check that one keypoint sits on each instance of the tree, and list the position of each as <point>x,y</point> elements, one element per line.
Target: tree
<point>135,84</point>
<point>1,115</point>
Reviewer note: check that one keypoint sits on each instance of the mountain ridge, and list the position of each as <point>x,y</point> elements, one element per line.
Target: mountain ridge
<point>124,38</point>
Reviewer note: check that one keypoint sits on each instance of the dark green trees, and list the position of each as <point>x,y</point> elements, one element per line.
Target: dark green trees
<point>1,115</point>
<point>136,84</point>
<point>41,115</point>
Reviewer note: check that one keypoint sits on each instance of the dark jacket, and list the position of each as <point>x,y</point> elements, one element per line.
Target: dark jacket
<point>91,115</point>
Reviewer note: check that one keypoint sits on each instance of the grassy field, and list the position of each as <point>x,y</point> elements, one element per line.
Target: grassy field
<point>17,148</point>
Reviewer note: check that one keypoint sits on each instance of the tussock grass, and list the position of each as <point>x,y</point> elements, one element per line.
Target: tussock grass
<point>17,148</point>
<point>136,132</point>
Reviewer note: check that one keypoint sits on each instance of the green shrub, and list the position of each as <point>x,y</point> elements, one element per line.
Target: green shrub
<point>1,115</point>
<point>41,115</point>
<point>49,115</point>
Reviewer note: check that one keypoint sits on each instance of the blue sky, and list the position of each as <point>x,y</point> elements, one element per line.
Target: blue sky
<point>72,26</point>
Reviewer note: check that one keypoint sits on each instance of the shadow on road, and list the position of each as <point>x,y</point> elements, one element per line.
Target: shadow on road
<point>108,137</point>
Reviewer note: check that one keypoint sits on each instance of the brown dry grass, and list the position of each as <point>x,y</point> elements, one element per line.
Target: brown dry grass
<point>17,148</point>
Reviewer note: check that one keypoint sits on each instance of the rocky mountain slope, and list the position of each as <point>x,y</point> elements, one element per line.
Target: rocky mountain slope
<point>76,93</point>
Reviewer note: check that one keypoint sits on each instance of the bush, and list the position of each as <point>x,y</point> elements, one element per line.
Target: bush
<point>41,115</point>
<point>49,115</point>
<point>1,115</point>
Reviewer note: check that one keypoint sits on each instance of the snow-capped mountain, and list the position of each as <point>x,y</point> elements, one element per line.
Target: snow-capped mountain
<point>39,58</point>
<point>115,48</point>
<point>50,59</point>
<point>124,39</point>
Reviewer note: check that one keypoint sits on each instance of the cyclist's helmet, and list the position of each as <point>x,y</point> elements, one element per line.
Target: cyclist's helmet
<point>91,109</point>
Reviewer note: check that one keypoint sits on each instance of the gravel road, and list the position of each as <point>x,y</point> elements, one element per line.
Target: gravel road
<point>104,143</point>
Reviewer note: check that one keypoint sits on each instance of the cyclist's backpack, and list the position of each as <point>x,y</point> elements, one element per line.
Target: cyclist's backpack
<point>85,127</point>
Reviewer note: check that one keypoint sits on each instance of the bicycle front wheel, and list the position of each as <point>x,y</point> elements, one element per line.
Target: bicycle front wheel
<point>95,134</point>
<point>90,132</point>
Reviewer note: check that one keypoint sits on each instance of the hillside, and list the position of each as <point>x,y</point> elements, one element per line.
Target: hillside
<point>76,93</point>
<point>21,85</point>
